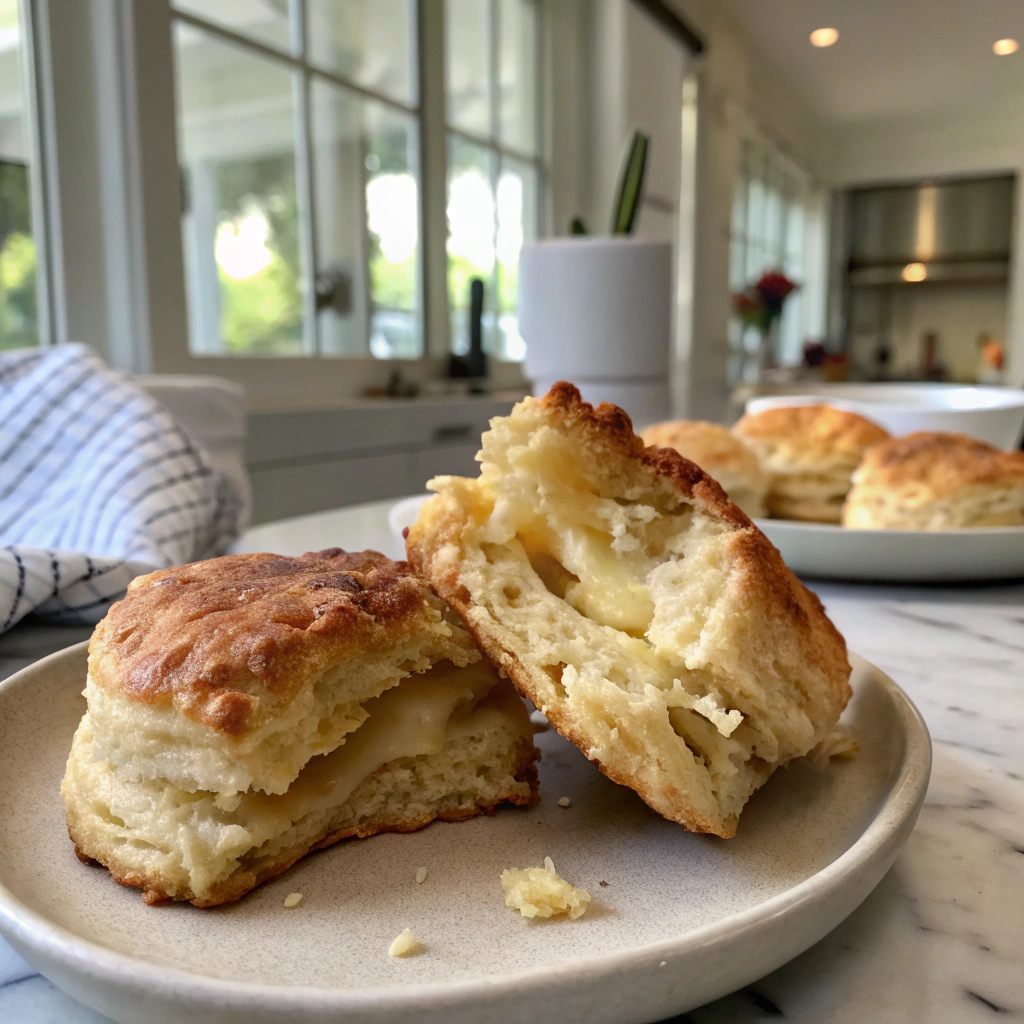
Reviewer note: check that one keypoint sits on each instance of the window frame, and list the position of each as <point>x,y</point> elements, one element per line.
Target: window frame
<point>103,72</point>
<point>297,61</point>
<point>491,141</point>
<point>798,192</point>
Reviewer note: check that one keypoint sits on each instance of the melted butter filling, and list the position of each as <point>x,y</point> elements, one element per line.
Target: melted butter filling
<point>408,720</point>
<point>212,833</point>
<point>597,563</point>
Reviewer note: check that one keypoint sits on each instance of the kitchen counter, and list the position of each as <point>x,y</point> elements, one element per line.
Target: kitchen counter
<point>941,940</point>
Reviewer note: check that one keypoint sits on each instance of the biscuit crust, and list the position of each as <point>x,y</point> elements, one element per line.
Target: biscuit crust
<point>229,641</point>
<point>780,638</point>
<point>940,463</point>
<point>811,433</point>
<point>934,480</point>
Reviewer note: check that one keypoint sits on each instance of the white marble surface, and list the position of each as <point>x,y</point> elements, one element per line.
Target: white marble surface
<point>941,940</point>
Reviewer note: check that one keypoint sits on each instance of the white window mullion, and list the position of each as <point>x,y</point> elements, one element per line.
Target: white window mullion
<point>198,240</point>
<point>51,319</point>
<point>364,230</point>
<point>433,148</point>
<point>304,184</point>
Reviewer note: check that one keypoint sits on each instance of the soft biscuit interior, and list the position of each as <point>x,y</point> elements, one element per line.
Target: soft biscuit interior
<point>445,735</point>
<point>614,592</point>
<point>158,741</point>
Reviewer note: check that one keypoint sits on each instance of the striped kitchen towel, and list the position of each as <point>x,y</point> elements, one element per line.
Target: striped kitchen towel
<point>98,483</point>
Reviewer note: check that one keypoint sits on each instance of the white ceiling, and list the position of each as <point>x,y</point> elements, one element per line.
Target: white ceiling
<point>895,59</point>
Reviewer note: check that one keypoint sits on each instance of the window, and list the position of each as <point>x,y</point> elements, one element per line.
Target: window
<point>299,134</point>
<point>494,167</point>
<point>19,304</point>
<point>298,131</point>
<point>777,219</point>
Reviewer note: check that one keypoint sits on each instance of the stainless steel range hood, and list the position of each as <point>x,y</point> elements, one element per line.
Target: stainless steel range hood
<point>933,231</point>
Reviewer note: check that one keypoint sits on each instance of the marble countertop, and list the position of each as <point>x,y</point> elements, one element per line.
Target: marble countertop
<point>941,940</point>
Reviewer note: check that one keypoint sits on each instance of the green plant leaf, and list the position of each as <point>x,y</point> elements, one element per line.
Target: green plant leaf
<point>631,185</point>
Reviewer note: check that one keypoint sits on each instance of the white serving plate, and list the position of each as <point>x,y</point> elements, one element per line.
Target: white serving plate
<point>993,414</point>
<point>898,556</point>
<point>684,918</point>
<point>404,513</point>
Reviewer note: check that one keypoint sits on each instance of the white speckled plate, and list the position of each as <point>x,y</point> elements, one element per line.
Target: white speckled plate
<point>898,556</point>
<point>683,919</point>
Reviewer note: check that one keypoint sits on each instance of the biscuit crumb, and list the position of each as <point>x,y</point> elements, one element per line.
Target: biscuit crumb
<point>292,900</point>
<point>405,944</point>
<point>421,875</point>
<point>603,884</point>
<point>564,802</point>
<point>539,892</point>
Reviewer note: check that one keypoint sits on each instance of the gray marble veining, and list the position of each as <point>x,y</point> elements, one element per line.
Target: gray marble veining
<point>941,940</point>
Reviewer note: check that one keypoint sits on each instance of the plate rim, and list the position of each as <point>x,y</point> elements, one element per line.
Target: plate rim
<point>904,796</point>
<point>795,525</point>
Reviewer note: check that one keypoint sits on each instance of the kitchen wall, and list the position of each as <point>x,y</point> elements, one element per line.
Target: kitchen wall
<point>738,94</point>
<point>902,151</point>
<point>957,313</point>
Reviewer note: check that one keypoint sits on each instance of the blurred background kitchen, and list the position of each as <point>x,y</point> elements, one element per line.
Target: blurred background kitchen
<point>296,196</point>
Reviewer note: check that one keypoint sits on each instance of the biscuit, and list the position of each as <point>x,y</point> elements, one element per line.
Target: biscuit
<point>622,591</point>
<point>721,455</point>
<point>936,481</point>
<point>810,453</point>
<point>248,709</point>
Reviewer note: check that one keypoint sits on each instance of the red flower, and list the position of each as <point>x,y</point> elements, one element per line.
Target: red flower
<point>761,304</point>
<point>774,288</point>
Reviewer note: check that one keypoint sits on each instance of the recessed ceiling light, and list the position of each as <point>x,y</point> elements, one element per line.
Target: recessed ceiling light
<point>914,272</point>
<point>824,36</point>
<point>1004,47</point>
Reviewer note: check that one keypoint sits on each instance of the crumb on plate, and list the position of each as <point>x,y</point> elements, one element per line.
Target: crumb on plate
<point>421,875</point>
<point>405,944</point>
<point>564,801</point>
<point>540,892</point>
<point>292,900</point>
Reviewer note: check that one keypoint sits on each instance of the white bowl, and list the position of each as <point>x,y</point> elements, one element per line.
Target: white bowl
<point>993,414</point>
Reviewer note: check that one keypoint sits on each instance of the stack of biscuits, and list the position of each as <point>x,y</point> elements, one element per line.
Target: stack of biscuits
<point>820,464</point>
<point>810,453</point>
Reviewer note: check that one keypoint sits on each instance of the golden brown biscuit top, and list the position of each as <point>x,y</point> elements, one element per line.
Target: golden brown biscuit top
<point>231,639</point>
<point>713,447</point>
<point>812,428</point>
<point>939,462</point>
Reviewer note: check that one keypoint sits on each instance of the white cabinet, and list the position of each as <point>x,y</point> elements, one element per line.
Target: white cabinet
<point>309,461</point>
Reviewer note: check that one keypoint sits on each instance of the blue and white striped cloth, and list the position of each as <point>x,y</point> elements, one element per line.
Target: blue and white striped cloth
<point>98,483</point>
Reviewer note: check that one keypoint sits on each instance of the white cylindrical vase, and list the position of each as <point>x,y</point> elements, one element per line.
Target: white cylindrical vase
<point>596,308</point>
